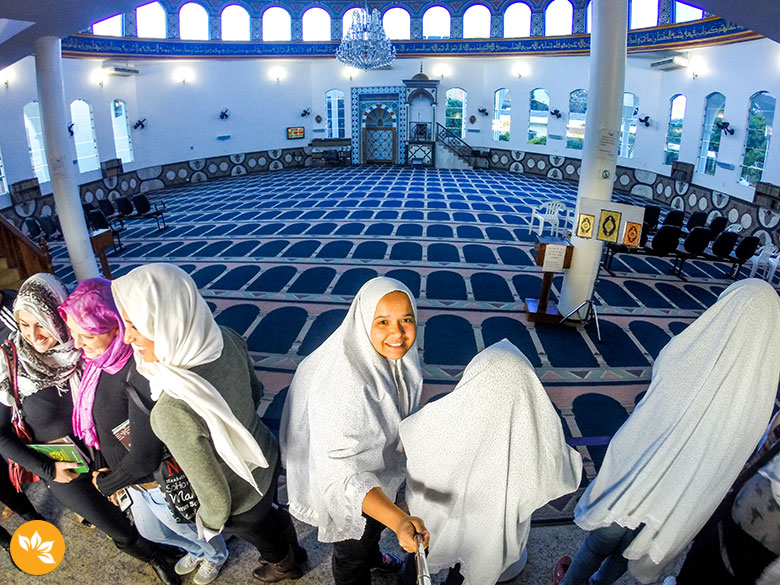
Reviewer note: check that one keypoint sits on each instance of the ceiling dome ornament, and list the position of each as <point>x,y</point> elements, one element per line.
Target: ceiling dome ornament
<point>365,45</point>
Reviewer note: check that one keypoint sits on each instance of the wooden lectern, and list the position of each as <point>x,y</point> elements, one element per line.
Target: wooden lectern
<point>553,255</point>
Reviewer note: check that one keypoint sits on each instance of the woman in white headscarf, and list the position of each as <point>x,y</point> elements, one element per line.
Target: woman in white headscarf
<point>674,459</point>
<point>482,459</point>
<point>207,395</point>
<point>339,430</point>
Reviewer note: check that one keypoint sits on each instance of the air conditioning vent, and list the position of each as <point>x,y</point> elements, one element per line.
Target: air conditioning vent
<point>120,70</point>
<point>676,62</point>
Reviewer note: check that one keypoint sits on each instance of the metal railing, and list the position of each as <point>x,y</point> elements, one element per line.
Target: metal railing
<point>455,144</point>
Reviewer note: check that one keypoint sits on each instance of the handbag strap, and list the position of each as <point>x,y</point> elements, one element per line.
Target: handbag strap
<point>132,391</point>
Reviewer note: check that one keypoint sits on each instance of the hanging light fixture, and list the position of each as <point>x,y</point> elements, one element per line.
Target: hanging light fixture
<point>365,45</point>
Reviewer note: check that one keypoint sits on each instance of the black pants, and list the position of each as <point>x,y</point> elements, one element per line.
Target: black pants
<point>353,559</point>
<point>81,496</point>
<point>264,525</point>
<point>17,501</point>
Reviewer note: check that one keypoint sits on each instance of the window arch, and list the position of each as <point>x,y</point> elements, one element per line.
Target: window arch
<point>150,21</point>
<point>502,114</point>
<point>316,25</point>
<point>642,14</point>
<point>3,181</point>
<point>558,18</point>
<point>476,22</point>
<point>538,116</point>
<point>455,111</point>
<point>684,12</point>
<point>589,17</point>
<point>674,130</point>
<point>34,128</point>
<point>84,136</point>
<point>193,22</point>
<point>761,114</point>
<point>334,107</point>
<point>517,21</point>
<point>109,27</point>
<point>277,25</point>
<point>235,23</point>
<point>709,144</point>
<point>397,23</point>
<point>436,23</point>
<point>575,129</point>
<point>628,125</point>
<point>121,127</point>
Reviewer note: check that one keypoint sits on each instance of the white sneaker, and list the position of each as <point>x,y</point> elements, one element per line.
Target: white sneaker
<point>186,565</point>
<point>207,572</point>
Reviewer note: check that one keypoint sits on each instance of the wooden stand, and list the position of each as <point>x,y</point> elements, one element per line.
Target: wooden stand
<point>541,310</point>
<point>101,240</point>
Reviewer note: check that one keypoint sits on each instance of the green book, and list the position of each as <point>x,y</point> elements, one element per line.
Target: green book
<point>63,450</point>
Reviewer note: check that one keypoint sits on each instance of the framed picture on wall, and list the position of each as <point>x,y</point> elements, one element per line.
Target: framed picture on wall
<point>294,132</point>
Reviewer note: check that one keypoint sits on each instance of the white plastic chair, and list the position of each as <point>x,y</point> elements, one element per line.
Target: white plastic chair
<point>549,212</point>
<point>766,256</point>
<point>734,227</point>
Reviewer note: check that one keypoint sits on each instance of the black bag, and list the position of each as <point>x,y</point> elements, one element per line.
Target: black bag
<point>177,489</point>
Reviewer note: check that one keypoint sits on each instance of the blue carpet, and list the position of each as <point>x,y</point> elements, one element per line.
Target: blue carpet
<point>494,329</point>
<point>652,337</point>
<point>565,347</point>
<point>449,340</point>
<point>598,416</point>
<point>278,330</point>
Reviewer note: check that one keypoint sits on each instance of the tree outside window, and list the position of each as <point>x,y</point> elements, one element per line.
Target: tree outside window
<point>455,112</point>
<point>539,116</point>
<point>575,129</point>
<point>675,128</point>
<point>709,145</point>
<point>761,115</point>
<point>502,115</point>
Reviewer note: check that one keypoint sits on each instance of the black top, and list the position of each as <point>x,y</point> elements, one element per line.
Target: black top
<point>47,416</point>
<point>7,322</point>
<point>113,407</point>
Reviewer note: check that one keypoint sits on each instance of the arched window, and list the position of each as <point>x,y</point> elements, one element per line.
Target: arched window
<point>3,181</point>
<point>589,17</point>
<point>455,111</point>
<point>538,116</point>
<point>684,12</point>
<point>84,136</point>
<point>628,125</point>
<point>34,128</point>
<point>334,106</point>
<point>397,23</point>
<point>517,21</point>
<point>761,114</point>
<point>674,130</point>
<point>709,145</point>
<point>476,22</point>
<point>436,23</point>
<point>110,27</point>
<point>277,25</point>
<point>643,14</point>
<point>150,21</point>
<point>346,20</point>
<point>235,23</point>
<point>575,129</point>
<point>121,126</point>
<point>193,22</point>
<point>316,25</point>
<point>558,18</point>
<point>502,114</point>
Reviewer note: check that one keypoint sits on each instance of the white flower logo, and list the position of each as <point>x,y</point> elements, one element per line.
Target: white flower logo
<point>37,544</point>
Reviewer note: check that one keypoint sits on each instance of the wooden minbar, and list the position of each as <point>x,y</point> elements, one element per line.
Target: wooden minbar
<point>553,255</point>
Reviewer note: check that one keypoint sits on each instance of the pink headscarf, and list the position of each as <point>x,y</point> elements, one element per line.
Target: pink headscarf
<point>91,306</point>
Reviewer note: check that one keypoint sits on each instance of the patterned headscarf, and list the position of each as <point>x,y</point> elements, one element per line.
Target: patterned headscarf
<point>60,366</point>
<point>91,306</point>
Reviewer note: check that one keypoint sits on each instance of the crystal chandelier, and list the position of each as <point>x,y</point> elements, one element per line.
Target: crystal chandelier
<point>365,45</point>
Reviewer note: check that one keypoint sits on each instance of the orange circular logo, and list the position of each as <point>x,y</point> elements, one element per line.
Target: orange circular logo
<point>37,547</point>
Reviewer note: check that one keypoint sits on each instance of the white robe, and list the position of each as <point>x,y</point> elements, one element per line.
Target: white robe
<point>674,459</point>
<point>339,430</point>
<point>481,460</point>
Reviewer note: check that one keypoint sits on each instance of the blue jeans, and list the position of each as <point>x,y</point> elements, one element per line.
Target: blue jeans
<point>155,522</point>
<point>602,551</point>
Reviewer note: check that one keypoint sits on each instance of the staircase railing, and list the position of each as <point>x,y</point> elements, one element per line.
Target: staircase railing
<point>454,143</point>
<point>21,252</point>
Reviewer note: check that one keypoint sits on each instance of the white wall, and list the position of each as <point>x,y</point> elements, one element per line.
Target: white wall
<point>183,119</point>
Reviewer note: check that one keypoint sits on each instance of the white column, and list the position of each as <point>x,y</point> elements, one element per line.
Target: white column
<point>599,157</point>
<point>51,96</point>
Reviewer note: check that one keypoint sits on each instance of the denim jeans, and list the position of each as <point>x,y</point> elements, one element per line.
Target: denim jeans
<point>602,551</point>
<point>155,522</point>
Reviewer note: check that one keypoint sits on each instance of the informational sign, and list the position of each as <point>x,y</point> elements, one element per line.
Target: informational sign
<point>631,236</point>
<point>554,256</point>
<point>585,225</point>
<point>607,144</point>
<point>609,226</point>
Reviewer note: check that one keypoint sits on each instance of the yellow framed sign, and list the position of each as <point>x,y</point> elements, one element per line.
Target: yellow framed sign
<point>632,234</point>
<point>585,225</point>
<point>609,226</point>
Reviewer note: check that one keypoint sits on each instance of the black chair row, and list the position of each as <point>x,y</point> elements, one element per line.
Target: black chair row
<point>47,225</point>
<point>138,208</point>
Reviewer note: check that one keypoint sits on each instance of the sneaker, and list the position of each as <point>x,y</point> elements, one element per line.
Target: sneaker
<point>207,572</point>
<point>670,580</point>
<point>186,565</point>
<point>389,564</point>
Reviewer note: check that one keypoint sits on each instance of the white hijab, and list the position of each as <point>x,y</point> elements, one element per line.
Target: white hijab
<point>339,431</point>
<point>481,460</point>
<point>709,401</point>
<point>163,303</point>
